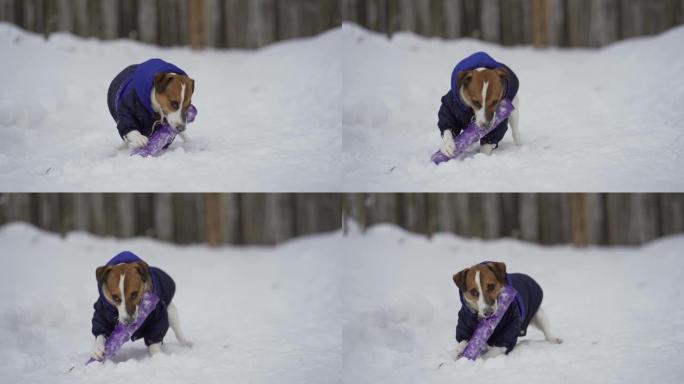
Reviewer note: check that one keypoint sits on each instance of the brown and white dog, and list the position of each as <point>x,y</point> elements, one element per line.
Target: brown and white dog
<point>478,84</point>
<point>121,286</point>
<point>480,286</point>
<point>148,93</point>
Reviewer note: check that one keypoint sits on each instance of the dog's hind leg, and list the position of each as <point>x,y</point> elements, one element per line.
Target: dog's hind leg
<point>174,322</point>
<point>541,322</point>
<point>513,121</point>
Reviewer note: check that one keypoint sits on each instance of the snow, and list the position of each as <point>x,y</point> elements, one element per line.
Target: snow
<point>620,311</point>
<point>255,314</point>
<point>269,120</point>
<point>590,119</point>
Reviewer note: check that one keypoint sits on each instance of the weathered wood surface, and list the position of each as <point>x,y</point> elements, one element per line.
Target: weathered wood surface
<point>181,218</point>
<point>199,23</point>
<point>580,219</point>
<point>588,23</point>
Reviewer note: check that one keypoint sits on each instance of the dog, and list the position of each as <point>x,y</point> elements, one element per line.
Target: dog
<point>121,284</point>
<point>144,95</point>
<point>478,83</point>
<point>479,287</point>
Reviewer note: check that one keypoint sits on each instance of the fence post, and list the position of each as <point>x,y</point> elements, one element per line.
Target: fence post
<point>578,219</point>
<point>196,23</point>
<point>540,23</point>
<point>212,219</point>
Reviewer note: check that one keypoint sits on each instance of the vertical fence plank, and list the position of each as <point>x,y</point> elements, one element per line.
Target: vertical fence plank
<point>212,218</point>
<point>471,20</point>
<point>281,217</point>
<point>453,25</point>
<point>540,18</point>
<point>147,21</point>
<point>603,22</point>
<point>490,20</point>
<point>529,217</point>
<point>212,29</point>
<point>231,229</point>
<point>595,216</point>
<point>109,9</point>
<point>163,216</point>
<point>126,214</point>
<point>644,218</point>
<point>557,29</point>
<point>261,22</point>
<point>672,213</point>
<point>491,213</point>
<point>196,23</point>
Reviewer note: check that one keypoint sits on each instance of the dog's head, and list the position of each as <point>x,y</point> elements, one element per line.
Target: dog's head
<point>123,285</point>
<point>481,285</point>
<point>482,90</point>
<point>172,96</point>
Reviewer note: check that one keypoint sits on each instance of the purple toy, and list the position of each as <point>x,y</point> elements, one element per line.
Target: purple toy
<point>487,325</point>
<point>473,133</point>
<point>122,333</point>
<point>162,137</point>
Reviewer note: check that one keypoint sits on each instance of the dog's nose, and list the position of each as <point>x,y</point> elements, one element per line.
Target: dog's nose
<point>180,128</point>
<point>488,312</point>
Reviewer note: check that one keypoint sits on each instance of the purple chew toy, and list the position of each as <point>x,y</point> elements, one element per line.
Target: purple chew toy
<point>487,325</point>
<point>473,133</point>
<point>122,333</point>
<point>162,137</point>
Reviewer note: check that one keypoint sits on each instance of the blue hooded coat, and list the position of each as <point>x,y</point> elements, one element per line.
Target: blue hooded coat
<point>455,115</point>
<point>514,321</point>
<point>155,326</point>
<point>128,97</point>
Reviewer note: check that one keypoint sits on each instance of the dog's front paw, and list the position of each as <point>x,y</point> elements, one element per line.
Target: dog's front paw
<point>98,349</point>
<point>448,146</point>
<point>136,139</point>
<point>487,149</point>
<point>458,351</point>
<point>185,343</point>
<point>554,339</point>
<point>154,349</point>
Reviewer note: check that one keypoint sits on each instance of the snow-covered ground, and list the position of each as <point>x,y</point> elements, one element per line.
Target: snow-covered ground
<point>591,120</point>
<point>269,120</point>
<point>255,314</point>
<point>620,311</point>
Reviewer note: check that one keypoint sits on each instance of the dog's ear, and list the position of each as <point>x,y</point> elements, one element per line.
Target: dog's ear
<point>143,269</point>
<point>101,273</point>
<point>161,81</point>
<point>499,270</point>
<point>460,279</point>
<point>503,73</point>
<point>464,78</point>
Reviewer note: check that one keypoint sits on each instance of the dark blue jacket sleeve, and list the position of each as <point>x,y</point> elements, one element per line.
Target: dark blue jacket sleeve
<point>448,116</point>
<point>126,117</point>
<point>506,334</point>
<point>102,325</point>
<point>466,326</point>
<point>156,326</point>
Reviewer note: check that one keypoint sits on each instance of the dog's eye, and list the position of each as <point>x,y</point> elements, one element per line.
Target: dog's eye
<point>477,104</point>
<point>134,295</point>
<point>490,287</point>
<point>174,104</point>
<point>474,292</point>
<point>116,299</point>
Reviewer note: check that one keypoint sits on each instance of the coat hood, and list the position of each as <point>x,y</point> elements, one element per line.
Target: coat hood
<point>143,79</point>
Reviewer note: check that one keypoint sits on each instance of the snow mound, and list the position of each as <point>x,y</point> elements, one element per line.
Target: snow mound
<point>617,309</point>
<point>590,120</point>
<point>269,120</point>
<point>255,314</point>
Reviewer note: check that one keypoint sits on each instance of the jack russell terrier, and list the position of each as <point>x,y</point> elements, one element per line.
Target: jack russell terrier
<point>478,83</point>
<point>144,95</point>
<point>479,288</point>
<point>121,283</point>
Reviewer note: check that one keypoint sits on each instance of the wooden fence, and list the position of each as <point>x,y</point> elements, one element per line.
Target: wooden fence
<point>180,218</point>
<point>199,23</point>
<point>607,219</point>
<point>512,22</point>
